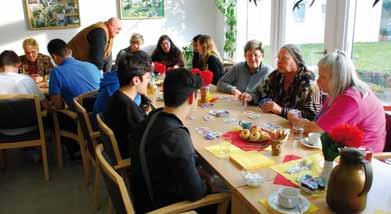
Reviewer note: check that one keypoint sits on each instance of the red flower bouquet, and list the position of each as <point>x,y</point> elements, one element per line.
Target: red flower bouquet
<point>206,76</point>
<point>344,135</point>
<point>159,67</point>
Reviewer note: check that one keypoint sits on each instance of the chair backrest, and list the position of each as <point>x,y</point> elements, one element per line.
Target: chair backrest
<point>20,111</point>
<point>84,118</point>
<point>109,142</point>
<point>114,183</point>
<point>387,147</point>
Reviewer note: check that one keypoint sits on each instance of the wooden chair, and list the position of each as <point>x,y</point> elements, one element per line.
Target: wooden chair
<point>111,146</point>
<point>20,111</point>
<point>76,136</point>
<point>121,202</point>
<point>90,136</point>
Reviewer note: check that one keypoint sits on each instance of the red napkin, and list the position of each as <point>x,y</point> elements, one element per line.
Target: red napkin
<point>281,180</point>
<point>160,68</point>
<point>246,145</point>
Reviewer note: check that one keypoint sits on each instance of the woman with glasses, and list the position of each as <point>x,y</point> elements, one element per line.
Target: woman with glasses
<point>290,86</point>
<point>349,101</point>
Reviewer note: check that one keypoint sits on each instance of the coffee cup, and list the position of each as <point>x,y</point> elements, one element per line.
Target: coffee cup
<point>314,139</point>
<point>288,197</point>
<point>245,124</point>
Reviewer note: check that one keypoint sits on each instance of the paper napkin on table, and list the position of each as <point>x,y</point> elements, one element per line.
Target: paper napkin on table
<point>250,160</point>
<point>264,203</point>
<point>216,150</point>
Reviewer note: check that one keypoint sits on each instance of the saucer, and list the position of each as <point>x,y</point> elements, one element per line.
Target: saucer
<point>273,203</point>
<point>306,143</point>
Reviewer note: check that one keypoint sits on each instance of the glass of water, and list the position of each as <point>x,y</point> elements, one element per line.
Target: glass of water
<point>298,125</point>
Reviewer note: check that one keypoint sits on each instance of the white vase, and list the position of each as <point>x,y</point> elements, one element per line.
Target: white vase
<point>327,167</point>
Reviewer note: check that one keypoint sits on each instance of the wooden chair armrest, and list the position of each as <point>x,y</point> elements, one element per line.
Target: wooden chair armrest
<point>95,135</point>
<point>218,198</point>
<point>382,155</point>
<point>66,112</point>
<point>123,164</point>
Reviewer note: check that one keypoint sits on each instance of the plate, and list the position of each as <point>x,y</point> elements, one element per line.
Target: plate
<point>273,203</point>
<point>305,143</point>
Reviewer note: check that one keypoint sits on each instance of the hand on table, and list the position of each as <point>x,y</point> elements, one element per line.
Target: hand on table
<point>271,106</point>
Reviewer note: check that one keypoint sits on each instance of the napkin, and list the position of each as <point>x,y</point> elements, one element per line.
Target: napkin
<point>216,150</point>
<point>280,179</point>
<point>250,160</point>
<point>264,203</point>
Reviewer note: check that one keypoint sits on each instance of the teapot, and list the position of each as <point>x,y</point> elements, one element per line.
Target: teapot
<point>349,182</point>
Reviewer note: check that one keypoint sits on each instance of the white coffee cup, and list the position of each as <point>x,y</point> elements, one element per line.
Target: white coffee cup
<point>288,197</point>
<point>314,139</point>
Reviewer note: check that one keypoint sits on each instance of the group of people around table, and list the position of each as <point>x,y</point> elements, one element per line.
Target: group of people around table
<point>338,96</point>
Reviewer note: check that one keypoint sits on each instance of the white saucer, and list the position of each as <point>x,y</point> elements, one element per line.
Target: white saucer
<point>273,203</point>
<point>305,143</point>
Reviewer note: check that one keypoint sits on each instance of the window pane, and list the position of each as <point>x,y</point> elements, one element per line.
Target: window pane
<point>371,50</point>
<point>305,28</point>
<point>258,25</point>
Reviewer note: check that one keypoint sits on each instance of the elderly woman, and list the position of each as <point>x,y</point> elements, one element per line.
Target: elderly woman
<point>289,87</point>
<point>136,41</point>
<point>349,101</point>
<point>34,63</point>
<point>167,53</point>
<point>210,57</point>
<point>246,76</point>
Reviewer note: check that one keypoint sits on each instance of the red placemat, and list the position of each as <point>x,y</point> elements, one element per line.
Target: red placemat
<point>247,145</point>
<point>281,180</point>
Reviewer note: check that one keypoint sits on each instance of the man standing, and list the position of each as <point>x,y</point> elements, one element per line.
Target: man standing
<point>94,43</point>
<point>71,77</point>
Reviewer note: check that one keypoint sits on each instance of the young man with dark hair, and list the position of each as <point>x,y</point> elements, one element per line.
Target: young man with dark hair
<point>169,154</point>
<point>122,114</point>
<point>71,77</point>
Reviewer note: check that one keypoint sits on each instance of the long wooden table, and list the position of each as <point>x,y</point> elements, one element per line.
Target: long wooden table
<point>245,199</point>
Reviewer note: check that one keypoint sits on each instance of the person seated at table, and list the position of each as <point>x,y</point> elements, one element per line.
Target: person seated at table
<point>349,101</point>
<point>246,76</point>
<point>167,53</point>
<point>169,152</point>
<point>35,64</point>
<point>122,113</point>
<point>11,82</point>
<point>110,83</point>
<point>71,77</point>
<point>290,86</point>
<point>195,61</point>
<point>136,41</point>
<point>210,57</point>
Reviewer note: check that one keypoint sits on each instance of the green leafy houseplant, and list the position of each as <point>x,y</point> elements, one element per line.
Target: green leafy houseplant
<point>227,8</point>
<point>188,55</point>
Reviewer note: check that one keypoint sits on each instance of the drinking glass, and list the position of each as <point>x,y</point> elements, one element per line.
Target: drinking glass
<point>298,125</point>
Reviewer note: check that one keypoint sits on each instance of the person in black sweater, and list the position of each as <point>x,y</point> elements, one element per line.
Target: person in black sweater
<point>168,153</point>
<point>167,53</point>
<point>122,114</point>
<point>195,62</point>
<point>210,57</point>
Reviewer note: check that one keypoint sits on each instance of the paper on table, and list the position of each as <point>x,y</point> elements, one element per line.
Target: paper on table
<point>263,202</point>
<point>251,160</point>
<point>316,162</point>
<point>216,150</point>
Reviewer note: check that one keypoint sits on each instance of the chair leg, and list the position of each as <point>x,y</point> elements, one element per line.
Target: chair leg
<point>96,187</point>
<point>2,159</point>
<point>222,208</point>
<point>84,156</point>
<point>45,161</point>
<point>57,137</point>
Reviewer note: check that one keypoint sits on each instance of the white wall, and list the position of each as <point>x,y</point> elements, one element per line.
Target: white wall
<point>184,19</point>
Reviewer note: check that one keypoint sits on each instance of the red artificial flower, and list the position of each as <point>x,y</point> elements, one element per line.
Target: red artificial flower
<point>159,67</point>
<point>206,76</point>
<point>347,135</point>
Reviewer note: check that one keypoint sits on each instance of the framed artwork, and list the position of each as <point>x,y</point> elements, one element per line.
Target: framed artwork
<point>52,14</point>
<point>141,9</point>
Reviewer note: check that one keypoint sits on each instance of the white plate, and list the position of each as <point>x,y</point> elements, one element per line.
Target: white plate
<point>273,203</point>
<point>306,144</point>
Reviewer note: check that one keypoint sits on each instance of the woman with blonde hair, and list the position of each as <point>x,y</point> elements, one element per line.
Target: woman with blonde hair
<point>349,101</point>
<point>210,57</point>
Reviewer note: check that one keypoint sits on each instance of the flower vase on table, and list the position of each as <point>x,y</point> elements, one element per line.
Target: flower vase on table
<point>204,91</point>
<point>206,78</point>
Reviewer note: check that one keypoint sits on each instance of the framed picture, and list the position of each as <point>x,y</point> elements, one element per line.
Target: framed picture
<point>52,14</point>
<point>141,9</point>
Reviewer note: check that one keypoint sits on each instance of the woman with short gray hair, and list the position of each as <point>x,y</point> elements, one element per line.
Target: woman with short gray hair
<point>349,101</point>
<point>290,86</point>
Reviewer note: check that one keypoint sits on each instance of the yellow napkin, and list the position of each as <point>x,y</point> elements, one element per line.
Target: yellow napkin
<point>382,212</point>
<point>250,160</point>
<point>264,202</point>
<point>218,149</point>
<point>316,162</point>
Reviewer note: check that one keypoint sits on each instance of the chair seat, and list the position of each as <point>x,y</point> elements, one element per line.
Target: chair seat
<point>33,135</point>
